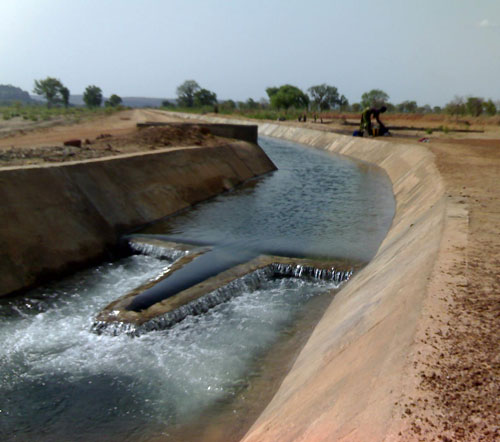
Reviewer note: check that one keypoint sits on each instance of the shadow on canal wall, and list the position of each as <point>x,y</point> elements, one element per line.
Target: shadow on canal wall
<point>348,377</point>
<point>60,217</point>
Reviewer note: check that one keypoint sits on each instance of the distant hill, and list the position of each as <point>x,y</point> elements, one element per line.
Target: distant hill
<point>145,102</point>
<point>10,94</point>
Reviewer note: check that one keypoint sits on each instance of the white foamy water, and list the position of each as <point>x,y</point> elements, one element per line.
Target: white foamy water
<point>60,381</point>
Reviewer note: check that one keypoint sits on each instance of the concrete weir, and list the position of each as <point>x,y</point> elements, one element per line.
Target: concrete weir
<point>347,379</point>
<point>63,216</point>
<point>198,298</point>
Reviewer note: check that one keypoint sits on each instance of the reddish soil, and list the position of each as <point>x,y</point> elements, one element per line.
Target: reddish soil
<point>454,382</point>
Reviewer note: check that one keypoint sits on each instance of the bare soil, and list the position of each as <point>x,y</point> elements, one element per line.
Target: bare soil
<point>106,137</point>
<point>455,372</point>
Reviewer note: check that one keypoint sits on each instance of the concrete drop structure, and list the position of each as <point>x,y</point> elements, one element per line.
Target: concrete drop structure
<point>348,377</point>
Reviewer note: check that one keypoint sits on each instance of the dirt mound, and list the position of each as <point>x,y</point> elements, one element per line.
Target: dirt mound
<point>164,136</point>
<point>139,140</point>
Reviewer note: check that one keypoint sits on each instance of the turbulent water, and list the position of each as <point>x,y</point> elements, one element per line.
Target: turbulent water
<point>60,381</point>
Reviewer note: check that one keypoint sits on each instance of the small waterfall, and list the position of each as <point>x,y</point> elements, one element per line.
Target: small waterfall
<point>250,282</point>
<point>160,252</point>
<point>301,271</point>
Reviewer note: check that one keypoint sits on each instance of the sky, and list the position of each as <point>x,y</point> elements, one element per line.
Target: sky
<point>428,51</point>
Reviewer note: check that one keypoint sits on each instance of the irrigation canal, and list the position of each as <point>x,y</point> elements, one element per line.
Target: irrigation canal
<point>61,381</point>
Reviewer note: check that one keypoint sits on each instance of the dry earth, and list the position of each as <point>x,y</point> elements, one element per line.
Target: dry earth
<point>453,383</point>
<point>108,136</point>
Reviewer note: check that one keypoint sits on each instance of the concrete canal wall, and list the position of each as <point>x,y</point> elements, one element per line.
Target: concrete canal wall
<point>347,379</point>
<point>59,217</point>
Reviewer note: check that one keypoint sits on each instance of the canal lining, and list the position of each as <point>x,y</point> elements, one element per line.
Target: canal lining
<point>346,383</point>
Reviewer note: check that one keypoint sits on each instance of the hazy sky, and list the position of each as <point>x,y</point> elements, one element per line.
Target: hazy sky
<point>427,50</point>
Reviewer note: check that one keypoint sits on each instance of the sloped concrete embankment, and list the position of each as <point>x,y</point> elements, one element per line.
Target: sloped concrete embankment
<point>346,381</point>
<point>59,217</point>
<point>348,378</point>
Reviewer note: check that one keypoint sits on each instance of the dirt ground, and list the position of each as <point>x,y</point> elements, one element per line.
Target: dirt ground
<point>108,136</point>
<point>454,378</point>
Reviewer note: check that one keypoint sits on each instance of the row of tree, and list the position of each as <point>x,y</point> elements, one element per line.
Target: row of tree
<point>57,94</point>
<point>324,97</point>
<point>321,97</point>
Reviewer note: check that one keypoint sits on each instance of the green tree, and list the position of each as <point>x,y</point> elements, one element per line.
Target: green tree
<point>52,89</point>
<point>113,101</point>
<point>356,107</point>
<point>489,108</point>
<point>288,96</point>
<point>425,109</point>
<point>227,106</point>
<point>251,104</point>
<point>324,96</point>
<point>437,109</point>
<point>166,103</point>
<point>474,106</point>
<point>65,96</point>
<point>204,97</point>
<point>374,98</point>
<point>186,91</point>
<point>92,96</point>
<point>270,91</point>
<point>407,107</point>
<point>343,103</point>
<point>456,106</point>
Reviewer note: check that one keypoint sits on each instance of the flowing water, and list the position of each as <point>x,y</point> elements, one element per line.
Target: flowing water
<point>60,381</point>
<point>315,205</point>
